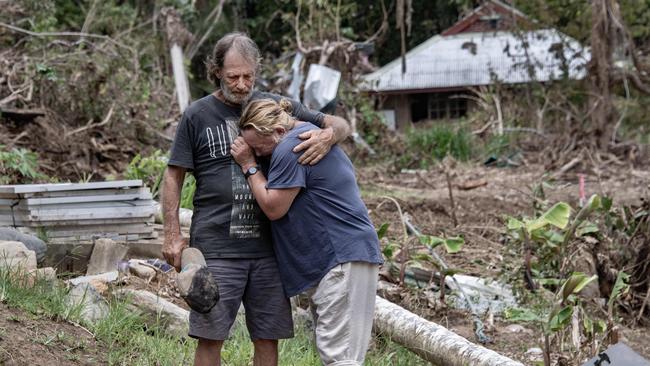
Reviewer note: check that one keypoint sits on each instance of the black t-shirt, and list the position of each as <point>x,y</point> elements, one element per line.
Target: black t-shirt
<point>227,222</point>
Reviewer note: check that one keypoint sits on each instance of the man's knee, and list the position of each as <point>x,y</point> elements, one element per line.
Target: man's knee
<point>208,352</point>
<point>266,344</point>
<point>209,346</point>
<point>210,343</point>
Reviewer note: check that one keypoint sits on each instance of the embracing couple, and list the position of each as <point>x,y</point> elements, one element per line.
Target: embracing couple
<point>277,212</point>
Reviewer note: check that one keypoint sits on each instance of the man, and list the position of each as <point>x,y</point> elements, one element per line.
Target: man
<point>324,241</point>
<point>227,225</point>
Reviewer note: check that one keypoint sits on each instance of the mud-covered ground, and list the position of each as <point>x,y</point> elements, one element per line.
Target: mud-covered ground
<point>481,212</point>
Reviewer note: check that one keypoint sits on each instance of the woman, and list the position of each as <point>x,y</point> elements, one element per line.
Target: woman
<point>324,241</point>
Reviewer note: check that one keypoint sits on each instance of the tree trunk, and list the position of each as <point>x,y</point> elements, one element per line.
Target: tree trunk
<point>431,341</point>
<point>602,48</point>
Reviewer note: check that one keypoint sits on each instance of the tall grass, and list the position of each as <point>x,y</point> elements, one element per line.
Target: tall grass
<point>425,146</point>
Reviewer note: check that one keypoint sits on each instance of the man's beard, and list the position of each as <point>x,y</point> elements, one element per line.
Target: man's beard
<point>233,98</point>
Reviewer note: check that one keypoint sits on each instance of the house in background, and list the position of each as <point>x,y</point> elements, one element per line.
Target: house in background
<point>483,48</point>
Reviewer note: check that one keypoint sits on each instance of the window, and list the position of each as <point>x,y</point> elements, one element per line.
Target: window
<point>437,106</point>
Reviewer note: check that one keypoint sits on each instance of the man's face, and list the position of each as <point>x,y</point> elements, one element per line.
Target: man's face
<point>237,78</point>
<point>261,145</point>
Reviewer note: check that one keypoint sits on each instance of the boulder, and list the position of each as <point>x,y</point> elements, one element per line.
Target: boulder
<point>31,242</point>
<point>16,256</point>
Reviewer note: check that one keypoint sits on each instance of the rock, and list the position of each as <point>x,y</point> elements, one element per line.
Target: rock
<point>15,256</point>
<point>535,353</point>
<point>47,274</point>
<point>93,306</point>
<point>103,277</point>
<point>141,270</point>
<point>31,242</point>
<point>516,328</point>
<point>105,256</point>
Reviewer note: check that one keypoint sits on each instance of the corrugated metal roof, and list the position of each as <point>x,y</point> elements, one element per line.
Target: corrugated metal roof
<point>470,59</point>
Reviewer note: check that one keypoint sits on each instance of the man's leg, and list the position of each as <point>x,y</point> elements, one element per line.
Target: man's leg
<point>266,352</point>
<point>208,353</point>
<point>212,329</point>
<point>344,302</point>
<point>268,310</point>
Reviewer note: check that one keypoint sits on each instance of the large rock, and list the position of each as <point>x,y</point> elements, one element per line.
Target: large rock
<point>105,256</point>
<point>93,306</point>
<point>30,241</point>
<point>16,256</point>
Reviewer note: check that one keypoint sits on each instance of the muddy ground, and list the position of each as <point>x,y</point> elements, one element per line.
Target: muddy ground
<point>28,339</point>
<point>480,213</point>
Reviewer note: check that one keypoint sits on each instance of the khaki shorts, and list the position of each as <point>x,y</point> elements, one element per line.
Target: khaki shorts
<point>343,307</point>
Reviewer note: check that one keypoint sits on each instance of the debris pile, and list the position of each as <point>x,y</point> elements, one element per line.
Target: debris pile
<point>80,212</point>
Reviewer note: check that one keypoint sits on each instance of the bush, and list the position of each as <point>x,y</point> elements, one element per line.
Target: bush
<point>426,146</point>
<point>19,166</point>
<point>149,168</point>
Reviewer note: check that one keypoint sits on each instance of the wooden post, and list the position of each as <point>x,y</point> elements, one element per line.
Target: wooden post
<point>180,78</point>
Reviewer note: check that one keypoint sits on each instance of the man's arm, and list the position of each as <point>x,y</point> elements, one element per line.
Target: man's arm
<point>319,142</point>
<point>174,242</point>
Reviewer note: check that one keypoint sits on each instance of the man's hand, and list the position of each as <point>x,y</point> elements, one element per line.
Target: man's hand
<point>316,145</point>
<point>172,248</point>
<point>242,153</point>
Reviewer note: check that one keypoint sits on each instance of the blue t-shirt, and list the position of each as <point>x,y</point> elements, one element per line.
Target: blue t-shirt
<point>327,223</point>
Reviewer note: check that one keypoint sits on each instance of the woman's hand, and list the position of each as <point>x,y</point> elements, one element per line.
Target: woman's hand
<point>242,153</point>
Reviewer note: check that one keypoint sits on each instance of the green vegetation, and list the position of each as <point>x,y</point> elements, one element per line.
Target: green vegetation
<point>424,147</point>
<point>19,166</point>
<point>128,339</point>
<point>148,168</point>
<point>151,169</point>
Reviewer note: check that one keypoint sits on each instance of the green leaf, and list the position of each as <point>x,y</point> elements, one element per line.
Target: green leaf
<point>586,228</point>
<point>454,244</point>
<point>594,202</point>
<point>431,241</point>
<point>606,203</point>
<point>575,284</point>
<point>452,271</point>
<point>561,318</point>
<point>588,324</point>
<point>549,281</point>
<point>521,315</point>
<point>422,257</point>
<point>514,224</point>
<point>557,216</point>
<point>600,326</point>
<point>389,250</point>
<point>381,232</point>
<point>620,287</point>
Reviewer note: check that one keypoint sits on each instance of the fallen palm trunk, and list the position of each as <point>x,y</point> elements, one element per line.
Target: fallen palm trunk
<point>431,341</point>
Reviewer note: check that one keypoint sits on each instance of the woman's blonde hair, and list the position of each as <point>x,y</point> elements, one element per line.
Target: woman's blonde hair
<point>265,115</point>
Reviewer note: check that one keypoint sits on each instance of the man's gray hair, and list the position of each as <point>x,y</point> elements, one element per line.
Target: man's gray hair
<point>244,45</point>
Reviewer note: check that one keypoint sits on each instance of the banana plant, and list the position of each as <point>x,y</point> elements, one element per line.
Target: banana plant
<point>553,229</point>
<point>565,304</point>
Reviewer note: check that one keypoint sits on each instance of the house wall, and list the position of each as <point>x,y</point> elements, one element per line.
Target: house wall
<point>401,105</point>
